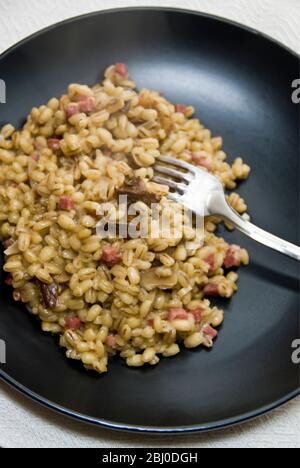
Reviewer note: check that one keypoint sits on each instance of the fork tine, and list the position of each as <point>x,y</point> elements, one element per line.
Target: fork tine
<point>175,197</point>
<point>170,183</point>
<point>177,162</point>
<point>172,173</point>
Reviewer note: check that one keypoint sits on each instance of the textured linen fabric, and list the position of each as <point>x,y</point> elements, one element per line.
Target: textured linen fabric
<point>23,423</point>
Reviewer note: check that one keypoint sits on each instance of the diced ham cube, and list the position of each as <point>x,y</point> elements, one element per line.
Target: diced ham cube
<point>72,109</point>
<point>211,289</point>
<point>54,144</point>
<point>106,151</point>
<point>205,163</point>
<point>111,341</point>
<point>232,257</point>
<point>211,260</point>
<point>175,314</point>
<point>121,69</point>
<point>201,161</point>
<point>7,243</point>
<point>35,157</point>
<point>74,323</point>
<point>197,313</point>
<point>9,280</point>
<point>181,108</point>
<point>66,203</point>
<point>86,104</point>
<point>150,322</point>
<point>110,255</point>
<point>210,331</point>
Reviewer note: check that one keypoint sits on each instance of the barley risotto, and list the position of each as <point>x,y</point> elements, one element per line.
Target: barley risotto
<point>138,297</point>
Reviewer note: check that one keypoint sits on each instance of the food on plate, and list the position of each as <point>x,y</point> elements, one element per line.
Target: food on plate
<point>137,297</point>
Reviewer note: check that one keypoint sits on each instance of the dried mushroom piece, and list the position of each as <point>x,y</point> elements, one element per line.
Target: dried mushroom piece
<point>50,295</point>
<point>136,190</point>
<point>150,280</point>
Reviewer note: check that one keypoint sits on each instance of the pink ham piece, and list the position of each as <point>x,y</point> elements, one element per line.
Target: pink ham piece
<point>110,255</point>
<point>197,313</point>
<point>211,289</point>
<point>121,69</point>
<point>66,203</point>
<point>54,144</point>
<point>150,322</point>
<point>107,152</point>
<point>7,243</point>
<point>9,280</point>
<point>211,260</point>
<point>35,157</point>
<point>86,104</point>
<point>72,109</point>
<point>210,331</point>
<point>175,314</point>
<point>201,161</point>
<point>111,341</point>
<point>232,257</point>
<point>181,108</point>
<point>74,323</point>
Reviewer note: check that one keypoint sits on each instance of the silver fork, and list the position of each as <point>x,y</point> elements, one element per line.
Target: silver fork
<point>203,194</point>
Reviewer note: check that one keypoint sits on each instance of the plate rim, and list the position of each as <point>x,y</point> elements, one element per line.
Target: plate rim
<point>154,8</point>
<point>136,428</point>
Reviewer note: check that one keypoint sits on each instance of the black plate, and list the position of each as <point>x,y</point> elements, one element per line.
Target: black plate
<point>240,84</point>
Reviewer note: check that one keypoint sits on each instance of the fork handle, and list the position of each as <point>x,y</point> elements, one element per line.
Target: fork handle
<point>221,208</point>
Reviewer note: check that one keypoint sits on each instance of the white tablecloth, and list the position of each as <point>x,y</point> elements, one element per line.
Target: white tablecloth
<point>24,423</point>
